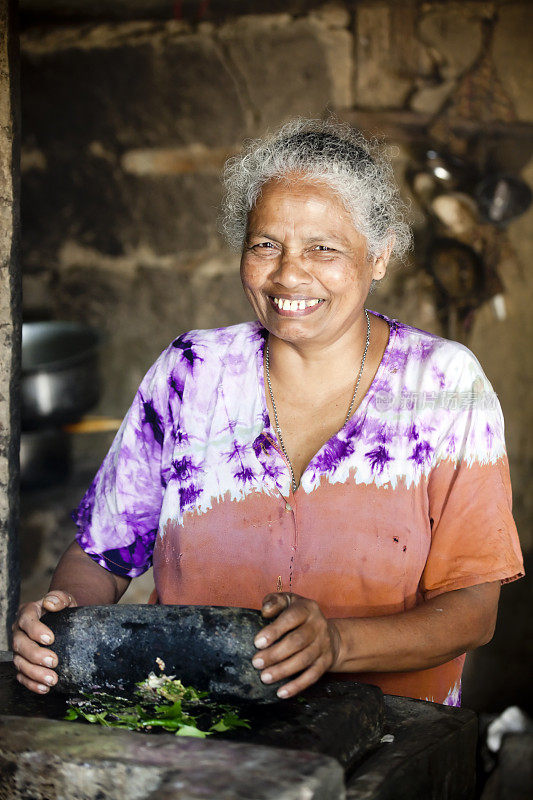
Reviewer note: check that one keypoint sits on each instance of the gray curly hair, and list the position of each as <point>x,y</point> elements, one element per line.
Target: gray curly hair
<point>328,152</point>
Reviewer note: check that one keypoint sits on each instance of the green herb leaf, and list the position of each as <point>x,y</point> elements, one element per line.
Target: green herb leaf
<point>161,702</point>
<point>190,730</point>
<point>229,722</point>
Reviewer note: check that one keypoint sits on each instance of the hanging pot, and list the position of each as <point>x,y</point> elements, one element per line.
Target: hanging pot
<point>457,271</point>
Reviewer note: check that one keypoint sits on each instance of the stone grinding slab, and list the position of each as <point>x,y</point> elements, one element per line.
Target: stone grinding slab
<point>48,759</point>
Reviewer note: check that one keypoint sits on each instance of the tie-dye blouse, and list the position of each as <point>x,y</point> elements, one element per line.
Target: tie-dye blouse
<point>411,498</point>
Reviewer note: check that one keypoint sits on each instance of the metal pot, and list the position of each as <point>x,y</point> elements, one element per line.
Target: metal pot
<point>60,379</point>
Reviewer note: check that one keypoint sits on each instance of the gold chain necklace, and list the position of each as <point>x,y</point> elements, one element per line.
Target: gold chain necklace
<point>277,425</point>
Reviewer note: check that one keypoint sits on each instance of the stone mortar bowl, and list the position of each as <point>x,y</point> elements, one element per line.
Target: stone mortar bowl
<point>110,648</point>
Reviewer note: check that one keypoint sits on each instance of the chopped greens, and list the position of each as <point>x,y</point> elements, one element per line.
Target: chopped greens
<point>159,702</point>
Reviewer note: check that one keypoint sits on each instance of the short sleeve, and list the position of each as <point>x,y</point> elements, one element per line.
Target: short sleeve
<point>473,535</point>
<point>118,517</point>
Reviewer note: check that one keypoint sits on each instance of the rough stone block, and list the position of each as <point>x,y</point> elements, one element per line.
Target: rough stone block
<point>171,215</point>
<point>282,66</point>
<point>386,54</point>
<point>162,88</point>
<point>98,206</point>
<point>176,160</point>
<point>454,34</point>
<point>343,720</point>
<point>338,46</point>
<point>512,47</point>
<point>430,99</point>
<point>113,647</point>
<point>431,755</point>
<point>42,759</point>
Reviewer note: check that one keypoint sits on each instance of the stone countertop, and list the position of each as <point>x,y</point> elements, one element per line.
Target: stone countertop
<point>48,758</point>
<point>431,755</point>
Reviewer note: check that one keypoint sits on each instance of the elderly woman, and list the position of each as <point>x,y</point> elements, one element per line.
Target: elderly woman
<point>342,470</point>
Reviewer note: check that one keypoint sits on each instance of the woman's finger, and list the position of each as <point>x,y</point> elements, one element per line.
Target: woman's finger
<point>57,599</point>
<point>33,662</point>
<point>39,688</point>
<point>32,672</point>
<point>33,652</point>
<point>303,681</point>
<point>28,620</point>
<point>293,642</point>
<point>291,666</point>
<point>293,616</point>
<point>275,603</point>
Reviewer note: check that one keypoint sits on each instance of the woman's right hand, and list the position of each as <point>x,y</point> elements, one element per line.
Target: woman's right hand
<point>32,659</point>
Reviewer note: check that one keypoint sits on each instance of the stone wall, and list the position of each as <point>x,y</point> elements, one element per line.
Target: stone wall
<point>126,123</point>
<point>9,321</point>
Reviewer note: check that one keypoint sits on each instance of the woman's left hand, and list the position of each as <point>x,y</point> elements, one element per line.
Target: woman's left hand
<point>310,643</point>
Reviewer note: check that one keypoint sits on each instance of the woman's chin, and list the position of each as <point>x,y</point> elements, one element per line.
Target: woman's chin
<point>294,332</point>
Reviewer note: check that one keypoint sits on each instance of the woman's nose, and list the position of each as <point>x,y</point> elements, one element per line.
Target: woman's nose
<point>291,270</point>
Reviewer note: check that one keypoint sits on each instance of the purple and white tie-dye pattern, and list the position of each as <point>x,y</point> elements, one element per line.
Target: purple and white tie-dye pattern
<point>198,430</point>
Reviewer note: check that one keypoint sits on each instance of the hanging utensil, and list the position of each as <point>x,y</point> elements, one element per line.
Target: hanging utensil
<point>501,198</point>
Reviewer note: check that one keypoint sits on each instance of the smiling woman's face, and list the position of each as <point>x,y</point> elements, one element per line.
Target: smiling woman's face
<point>305,268</point>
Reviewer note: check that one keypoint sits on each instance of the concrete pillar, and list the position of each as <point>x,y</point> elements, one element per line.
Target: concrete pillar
<point>10,318</point>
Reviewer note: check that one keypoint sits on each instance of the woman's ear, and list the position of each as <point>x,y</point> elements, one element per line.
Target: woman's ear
<point>379,267</point>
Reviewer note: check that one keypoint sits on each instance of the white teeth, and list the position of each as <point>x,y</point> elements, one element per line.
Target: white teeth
<point>294,305</point>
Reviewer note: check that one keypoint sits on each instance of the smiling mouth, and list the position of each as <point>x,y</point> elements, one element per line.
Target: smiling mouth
<point>298,307</point>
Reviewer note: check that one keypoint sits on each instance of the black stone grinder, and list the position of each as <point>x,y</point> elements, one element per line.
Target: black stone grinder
<point>111,648</point>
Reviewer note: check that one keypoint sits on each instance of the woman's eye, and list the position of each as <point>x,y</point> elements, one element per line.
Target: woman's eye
<point>262,246</point>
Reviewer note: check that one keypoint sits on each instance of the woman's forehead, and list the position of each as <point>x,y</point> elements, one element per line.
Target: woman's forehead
<point>302,202</point>
<point>299,186</point>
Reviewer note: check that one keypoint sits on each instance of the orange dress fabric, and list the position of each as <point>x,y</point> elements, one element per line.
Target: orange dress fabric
<point>409,500</point>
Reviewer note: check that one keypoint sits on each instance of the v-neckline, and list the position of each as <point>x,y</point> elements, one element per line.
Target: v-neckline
<point>355,419</point>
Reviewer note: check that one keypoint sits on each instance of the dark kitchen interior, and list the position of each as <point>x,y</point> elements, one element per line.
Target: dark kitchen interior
<point>128,111</point>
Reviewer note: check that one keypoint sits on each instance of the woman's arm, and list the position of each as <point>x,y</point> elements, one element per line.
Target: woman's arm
<point>77,581</point>
<point>91,585</point>
<point>423,637</point>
